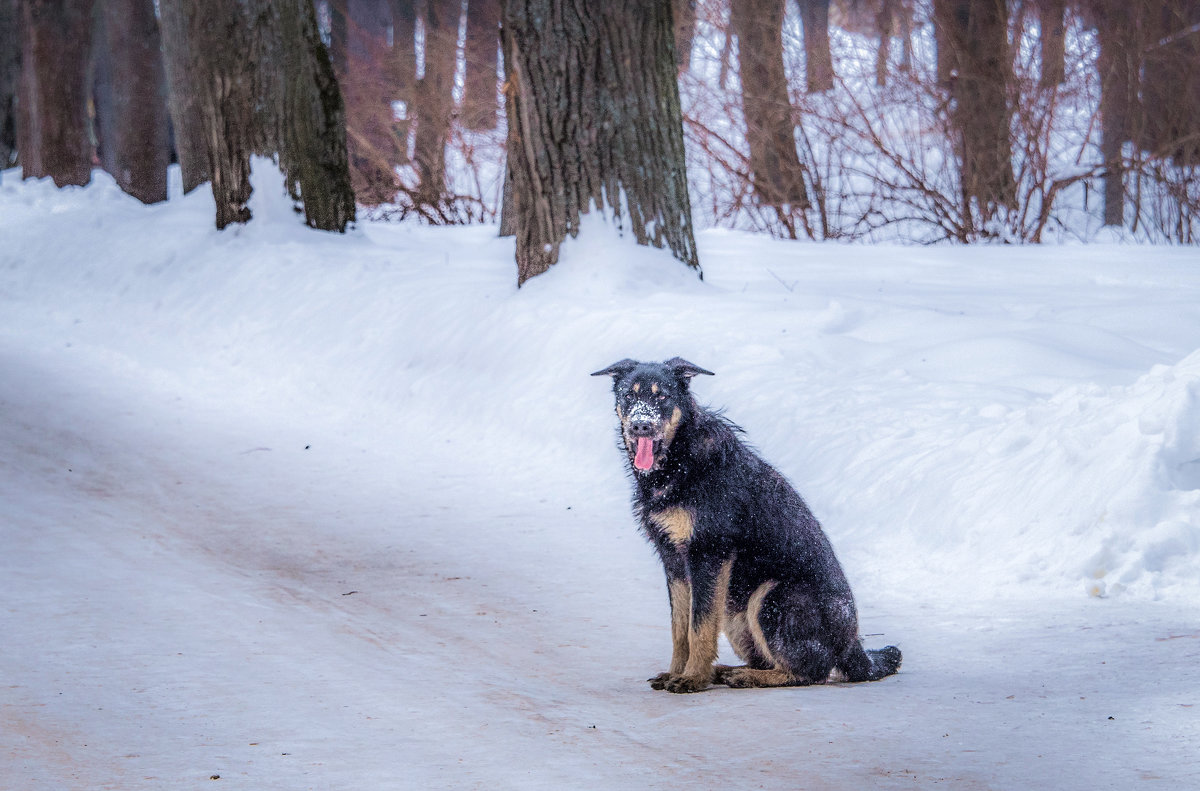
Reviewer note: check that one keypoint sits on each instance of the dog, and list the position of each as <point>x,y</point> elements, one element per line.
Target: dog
<point>741,550</point>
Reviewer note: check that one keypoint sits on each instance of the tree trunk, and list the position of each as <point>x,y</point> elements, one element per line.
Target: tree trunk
<point>594,120</point>
<point>684,12</point>
<point>1052,42</point>
<point>1170,89</point>
<point>1118,65</point>
<point>312,121</point>
<point>479,103</point>
<point>775,169</point>
<point>974,44</point>
<point>54,55</point>
<point>10,70</point>
<point>818,60</point>
<point>132,119</point>
<point>885,21</point>
<point>187,125</point>
<point>435,98</point>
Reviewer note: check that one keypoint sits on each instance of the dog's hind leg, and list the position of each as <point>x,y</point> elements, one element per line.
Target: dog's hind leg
<point>744,677</point>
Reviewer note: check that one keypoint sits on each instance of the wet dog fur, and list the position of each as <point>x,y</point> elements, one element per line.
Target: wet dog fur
<point>742,552</point>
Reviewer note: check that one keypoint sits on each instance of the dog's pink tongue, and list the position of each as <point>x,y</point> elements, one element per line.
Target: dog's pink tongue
<point>644,459</point>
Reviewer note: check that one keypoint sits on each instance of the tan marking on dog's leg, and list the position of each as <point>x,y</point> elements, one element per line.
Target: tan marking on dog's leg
<point>681,616</point>
<point>737,631</point>
<point>702,638</point>
<point>753,608</point>
<point>676,522</point>
<point>672,426</point>
<point>741,677</point>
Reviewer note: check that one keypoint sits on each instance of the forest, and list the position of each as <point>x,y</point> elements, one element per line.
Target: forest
<point>858,120</point>
<point>305,482</point>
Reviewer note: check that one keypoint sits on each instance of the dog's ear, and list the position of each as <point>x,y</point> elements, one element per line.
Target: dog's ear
<point>618,368</point>
<point>685,370</point>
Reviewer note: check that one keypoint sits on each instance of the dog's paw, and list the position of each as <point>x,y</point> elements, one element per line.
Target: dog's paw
<point>682,684</point>
<point>659,681</point>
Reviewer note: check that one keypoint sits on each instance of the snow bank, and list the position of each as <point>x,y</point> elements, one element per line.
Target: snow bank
<point>971,421</point>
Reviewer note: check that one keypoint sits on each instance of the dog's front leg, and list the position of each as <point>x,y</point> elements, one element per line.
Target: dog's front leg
<point>710,588</point>
<point>681,616</point>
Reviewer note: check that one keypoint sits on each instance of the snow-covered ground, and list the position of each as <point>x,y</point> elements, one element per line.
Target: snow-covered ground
<point>307,511</point>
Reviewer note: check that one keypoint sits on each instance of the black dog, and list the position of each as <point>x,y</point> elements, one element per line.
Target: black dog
<point>741,550</point>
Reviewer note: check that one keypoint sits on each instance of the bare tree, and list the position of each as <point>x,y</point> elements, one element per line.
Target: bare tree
<point>973,45</point>
<point>435,98</point>
<point>52,129</point>
<point>481,53</point>
<point>1052,41</point>
<point>594,121</point>
<point>775,168</point>
<point>818,60</point>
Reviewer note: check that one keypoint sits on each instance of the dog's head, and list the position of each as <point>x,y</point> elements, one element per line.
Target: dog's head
<point>652,402</point>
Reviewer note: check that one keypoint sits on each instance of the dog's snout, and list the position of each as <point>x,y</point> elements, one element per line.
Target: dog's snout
<point>641,428</point>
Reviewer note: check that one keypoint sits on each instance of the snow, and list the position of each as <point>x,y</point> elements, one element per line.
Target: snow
<point>310,511</point>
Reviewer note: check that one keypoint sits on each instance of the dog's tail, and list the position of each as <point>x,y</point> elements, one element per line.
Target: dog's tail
<point>872,665</point>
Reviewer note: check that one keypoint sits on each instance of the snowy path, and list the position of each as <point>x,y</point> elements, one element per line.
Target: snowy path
<point>188,595</point>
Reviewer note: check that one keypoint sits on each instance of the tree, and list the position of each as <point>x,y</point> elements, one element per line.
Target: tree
<point>775,169</point>
<point>1052,41</point>
<point>10,69</point>
<point>264,84</point>
<point>1118,67</point>
<point>130,98</point>
<point>52,128</point>
<point>818,60</point>
<point>594,121</point>
<point>435,99</point>
<point>973,52</point>
<point>482,46</point>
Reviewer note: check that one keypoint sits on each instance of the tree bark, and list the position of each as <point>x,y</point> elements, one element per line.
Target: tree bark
<point>132,117</point>
<point>311,121</point>
<point>684,12</point>
<point>479,104</point>
<point>775,168</point>
<point>10,70</point>
<point>264,84</point>
<point>53,96</point>
<point>885,21</point>
<point>1052,42</point>
<point>187,125</point>
<point>1117,64</point>
<point>594,120</point>
<point>1170,89</point>
<point>435,98</point>
<point>818,60</point>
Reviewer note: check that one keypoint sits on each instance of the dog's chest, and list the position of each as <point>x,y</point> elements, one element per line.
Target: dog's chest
<point>676,524</point>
